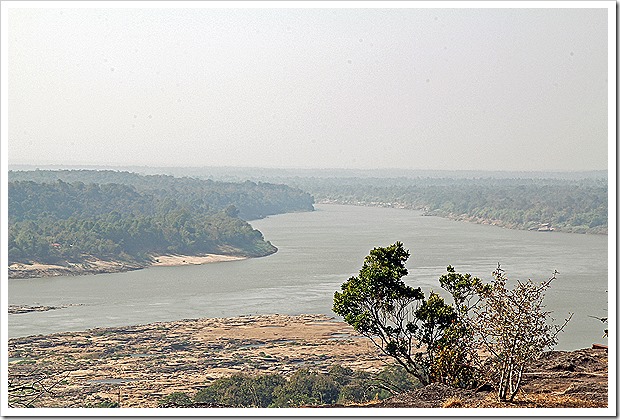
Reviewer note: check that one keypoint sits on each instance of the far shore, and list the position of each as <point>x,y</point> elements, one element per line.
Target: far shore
<point>97,266</point>
<point>468,218</point>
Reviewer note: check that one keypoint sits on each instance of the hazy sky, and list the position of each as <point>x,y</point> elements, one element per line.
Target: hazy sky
<point>489,89</point>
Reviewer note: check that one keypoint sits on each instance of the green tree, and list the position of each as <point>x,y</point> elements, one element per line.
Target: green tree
<point>457,362</point>
<point>394,316</point>
<point>231,211</point>
<point>242,390</point>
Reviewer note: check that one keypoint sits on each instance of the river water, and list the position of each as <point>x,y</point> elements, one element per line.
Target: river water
<point>317,252</point>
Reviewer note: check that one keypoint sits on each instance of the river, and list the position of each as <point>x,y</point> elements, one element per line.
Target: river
<point>317,252</point>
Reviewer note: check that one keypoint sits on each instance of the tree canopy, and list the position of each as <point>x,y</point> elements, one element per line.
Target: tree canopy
<point>569,205</point>
<point>396,317</point>
<point>52,220</point>
<point>254,200</point>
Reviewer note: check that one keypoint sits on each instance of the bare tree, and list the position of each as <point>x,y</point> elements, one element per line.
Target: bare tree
<point>515,329</point>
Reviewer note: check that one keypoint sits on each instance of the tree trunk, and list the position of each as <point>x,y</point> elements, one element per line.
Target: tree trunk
<point>517,385</point>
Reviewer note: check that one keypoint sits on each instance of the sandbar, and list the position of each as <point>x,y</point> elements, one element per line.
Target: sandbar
<point>176,259</point>
<point>98,266</point>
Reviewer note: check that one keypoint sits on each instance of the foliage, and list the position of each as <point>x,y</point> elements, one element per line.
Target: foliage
<point>253,200</point>
<point>306,387</point>
<point>365,386</point>
<point>514,328</point>
<point>56,221</point>
<point>105,403</point>
<point>394,316</point>
<point>178,399</point>
<point>242,390</point>
<point>437,342</point>
<point>458,362</point>
<point>570,205</point>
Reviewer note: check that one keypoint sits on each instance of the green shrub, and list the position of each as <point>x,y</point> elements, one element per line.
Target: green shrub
<point>178,399</point>
<point>306,388</point>
<point>241,390</point>
<point>104,404</point>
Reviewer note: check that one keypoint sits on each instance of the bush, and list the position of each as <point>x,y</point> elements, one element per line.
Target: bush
<point>306,388</point>
<point>513,326</point>
<point>241,391</point>
<point>177,399</point>
<point>104,404</point>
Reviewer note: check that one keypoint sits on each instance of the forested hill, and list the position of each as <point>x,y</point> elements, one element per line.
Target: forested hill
<point>568,201</point>
<point>569,205</point>
<point>254,200</point>
<point>53,220</point>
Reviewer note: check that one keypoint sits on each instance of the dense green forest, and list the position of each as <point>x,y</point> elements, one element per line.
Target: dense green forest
<point>254,200</point>
<point>124,215</point>
<point>569,205</point>
<point>127,217</point>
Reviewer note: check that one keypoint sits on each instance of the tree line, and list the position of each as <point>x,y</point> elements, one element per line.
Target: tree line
<point>569,205</point>
<point>64,220</point>
<point>254,200</point>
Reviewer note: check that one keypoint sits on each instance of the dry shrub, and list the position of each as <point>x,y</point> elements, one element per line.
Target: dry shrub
<point>453,402</point>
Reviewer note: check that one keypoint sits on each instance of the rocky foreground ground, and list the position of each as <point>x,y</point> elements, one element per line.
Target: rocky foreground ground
<point>559,379</point>
<point>139,365</point>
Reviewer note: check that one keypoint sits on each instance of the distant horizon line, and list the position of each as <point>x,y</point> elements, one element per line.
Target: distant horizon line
<point>93,165</point>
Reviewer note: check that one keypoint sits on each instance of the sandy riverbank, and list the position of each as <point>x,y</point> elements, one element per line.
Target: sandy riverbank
<point>147,362</point>
<point>94,266</point>
<point>176,260</point>
<point>97,266</point>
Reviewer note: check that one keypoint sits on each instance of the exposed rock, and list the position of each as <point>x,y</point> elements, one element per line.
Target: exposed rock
<point>183,356</point>
<point>558,379</point>
<point>147,362</point>
<point>23,309</point>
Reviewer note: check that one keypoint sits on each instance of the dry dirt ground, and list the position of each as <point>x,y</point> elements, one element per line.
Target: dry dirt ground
<point>139,365</point>
<point>558,379</point>
<point>147,362</point>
